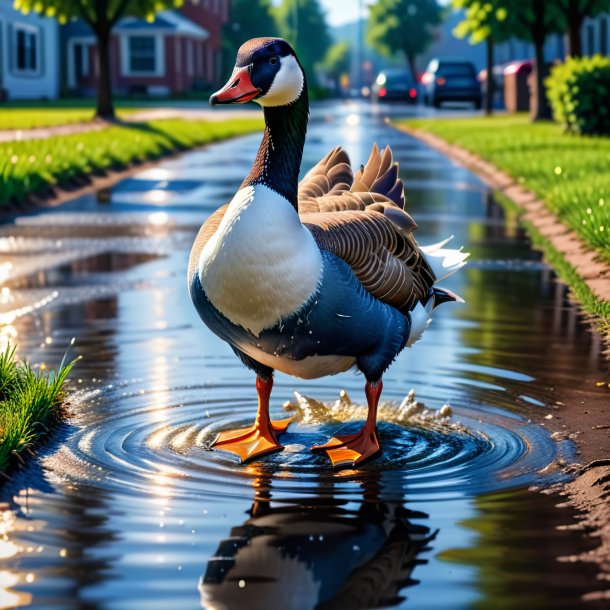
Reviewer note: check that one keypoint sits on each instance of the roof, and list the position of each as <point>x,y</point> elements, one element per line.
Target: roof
<point>167,21</point>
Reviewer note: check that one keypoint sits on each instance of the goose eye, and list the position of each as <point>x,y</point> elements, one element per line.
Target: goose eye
<point>273,61</point>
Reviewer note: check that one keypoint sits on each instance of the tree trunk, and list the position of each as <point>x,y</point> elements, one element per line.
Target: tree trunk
<point>574,37</point>
<point>105,108</point>
<point>542,110</point>
<point>412,66</point>
<point>490,85</point>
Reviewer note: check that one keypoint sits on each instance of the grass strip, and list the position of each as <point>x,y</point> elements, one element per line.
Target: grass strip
<point>582,293</point>
<point>30,404</point>
<point>570,173</point>
<point>30,118</point>
<point>34,167</point>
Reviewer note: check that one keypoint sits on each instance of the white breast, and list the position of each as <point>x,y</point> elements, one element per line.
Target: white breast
<point>262,264</point>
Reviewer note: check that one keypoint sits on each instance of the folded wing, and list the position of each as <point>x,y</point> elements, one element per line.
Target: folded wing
<point>361,220</point>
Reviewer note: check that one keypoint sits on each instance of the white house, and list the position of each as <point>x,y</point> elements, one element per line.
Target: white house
<point>29,55</point>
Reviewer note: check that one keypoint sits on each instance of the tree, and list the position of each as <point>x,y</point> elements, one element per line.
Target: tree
<point>101,16</point>
<point>484,20</point>
<point>403,25</point>
<point>303,24</point>
<point>576,11</point>
<point>535,20</point>
<point>249,19</point>
<point>337,60</point>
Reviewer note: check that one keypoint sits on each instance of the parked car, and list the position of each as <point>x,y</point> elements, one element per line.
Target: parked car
<point>451,80</point>
<point>394,85</point>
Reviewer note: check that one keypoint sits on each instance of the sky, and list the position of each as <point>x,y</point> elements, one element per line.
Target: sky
<point>338,11</point>
<point>343,11</point>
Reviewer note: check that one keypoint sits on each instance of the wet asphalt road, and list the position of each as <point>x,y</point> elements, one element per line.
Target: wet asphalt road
<point>128,510</point>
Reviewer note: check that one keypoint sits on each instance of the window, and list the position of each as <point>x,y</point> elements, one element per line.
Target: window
<point>590,39</point>
<point>26,49</point>
<point>603,36</point>
<point>142,54</point>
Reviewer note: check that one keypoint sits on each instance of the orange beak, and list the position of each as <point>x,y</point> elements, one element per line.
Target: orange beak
<point>238,90</point>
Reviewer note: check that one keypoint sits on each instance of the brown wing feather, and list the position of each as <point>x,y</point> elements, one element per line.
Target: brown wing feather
<point>385,258</point>
<point>207,230</point>
<point>361,220</point>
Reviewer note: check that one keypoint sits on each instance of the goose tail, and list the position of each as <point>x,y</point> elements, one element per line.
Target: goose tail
<point>444,261</point>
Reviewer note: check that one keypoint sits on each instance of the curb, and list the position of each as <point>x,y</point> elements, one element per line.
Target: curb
<point>585,261</point>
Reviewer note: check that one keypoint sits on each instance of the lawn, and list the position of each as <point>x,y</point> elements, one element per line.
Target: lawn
<point>31,402</point>
<point>570,173</point>
<point>28,117</point>
<point>33,167</point>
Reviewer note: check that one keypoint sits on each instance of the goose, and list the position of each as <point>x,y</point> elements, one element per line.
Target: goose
<point>311,278</point>
<point>282,554</point>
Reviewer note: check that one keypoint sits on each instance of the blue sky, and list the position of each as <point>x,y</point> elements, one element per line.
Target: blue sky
<point>343,11</point>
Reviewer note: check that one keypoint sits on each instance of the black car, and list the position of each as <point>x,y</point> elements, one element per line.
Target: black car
<point>394,85</point>
<point>450,80</point>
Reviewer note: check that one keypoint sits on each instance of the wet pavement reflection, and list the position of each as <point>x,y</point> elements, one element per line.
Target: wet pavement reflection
<point>127,508</point>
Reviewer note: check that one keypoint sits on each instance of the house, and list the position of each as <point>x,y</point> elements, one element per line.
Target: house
<point>29,66</point>
<point>596,35</point>
<point>179,51</point>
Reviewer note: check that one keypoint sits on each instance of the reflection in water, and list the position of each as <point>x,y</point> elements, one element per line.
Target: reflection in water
<point>133,503</point>
<point>522,553</point>
<point>322,553</point>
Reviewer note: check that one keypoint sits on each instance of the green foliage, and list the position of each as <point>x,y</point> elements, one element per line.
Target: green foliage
<point>303,24</point>
<point>579,90</point>
<point>32,167</point>
<point>99,14</point>
<point>483,19</point>
<point>403,26</point>
<point>337,60</point>
<point>249,19</point>
<point>30,403</point>
<point>531,19</point>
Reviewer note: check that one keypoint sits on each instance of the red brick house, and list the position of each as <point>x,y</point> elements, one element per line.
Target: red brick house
<point>179,51</point>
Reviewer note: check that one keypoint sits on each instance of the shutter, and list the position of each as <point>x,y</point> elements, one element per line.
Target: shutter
<point>40,53</point>
<point>10,47</point>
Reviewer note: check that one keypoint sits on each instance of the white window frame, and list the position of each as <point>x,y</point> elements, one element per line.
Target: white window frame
<point>159,52</point>
<point>28,29</point>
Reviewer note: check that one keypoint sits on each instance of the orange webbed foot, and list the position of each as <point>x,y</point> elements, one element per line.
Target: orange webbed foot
<point>350,450</point>
<point>253,442</point>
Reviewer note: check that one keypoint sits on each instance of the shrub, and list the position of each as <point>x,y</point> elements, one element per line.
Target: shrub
<point>579,92</point>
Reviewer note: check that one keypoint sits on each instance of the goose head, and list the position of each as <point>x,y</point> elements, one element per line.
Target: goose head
<point>266,71</point>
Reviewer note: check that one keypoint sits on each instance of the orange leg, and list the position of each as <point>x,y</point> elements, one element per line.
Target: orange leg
<point>261,438</point>
<point>352,449</point>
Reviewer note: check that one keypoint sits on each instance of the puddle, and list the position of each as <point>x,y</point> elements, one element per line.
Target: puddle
<point>127,509</point>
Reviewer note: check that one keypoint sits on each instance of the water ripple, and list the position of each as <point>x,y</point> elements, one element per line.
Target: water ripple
<point>149,446</point>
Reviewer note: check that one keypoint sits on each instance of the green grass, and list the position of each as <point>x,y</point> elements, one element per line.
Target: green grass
<point>29,118</point>
<point>28,114</point>
<point>570,173</point>
<point>33,167</point>
<point>30,404</point>
<point>599,308</point>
